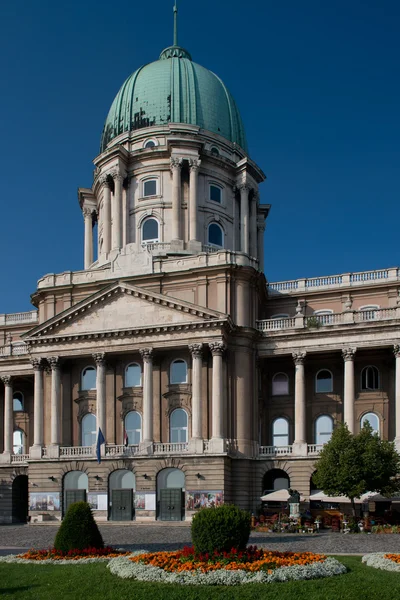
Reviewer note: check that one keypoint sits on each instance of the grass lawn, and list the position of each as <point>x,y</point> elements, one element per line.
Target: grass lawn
<point>94,582</point>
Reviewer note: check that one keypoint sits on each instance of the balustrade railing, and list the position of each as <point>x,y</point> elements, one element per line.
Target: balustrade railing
<point>122,450</point>
<point>275,450</point>
<point>314,449</point>
<point>14,349</point>
<point>273,324</point>
<point>16,318</point>
<point>19,458</point>
<point>170,447</point>
<point>68,451</point>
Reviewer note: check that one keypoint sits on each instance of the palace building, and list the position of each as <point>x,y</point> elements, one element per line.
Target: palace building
<point>209,384</point>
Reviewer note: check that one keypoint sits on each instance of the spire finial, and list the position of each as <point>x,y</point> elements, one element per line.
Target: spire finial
<point>175,24</point>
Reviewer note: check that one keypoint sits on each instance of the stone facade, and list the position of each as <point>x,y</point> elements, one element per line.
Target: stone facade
<point>200,375</point>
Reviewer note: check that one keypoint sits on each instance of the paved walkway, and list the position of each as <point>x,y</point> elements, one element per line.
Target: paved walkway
<point>16,538</point>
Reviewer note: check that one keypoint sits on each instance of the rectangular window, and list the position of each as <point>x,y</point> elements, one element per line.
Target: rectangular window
<point>150,187</point>
<point>215,193</point>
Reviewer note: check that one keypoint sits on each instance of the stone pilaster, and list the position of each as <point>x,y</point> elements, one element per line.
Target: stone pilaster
<point>300,441</point>
<point>217,441</point>
<point>396,350</point>
<point>176,168</point>
<point>106,215</point>
<point>194,165</point>
<point>8,418</point>
<point>147,357</point>
<point>196,441</point>
<point>253,224</point>
<point>101,400</point>
<point>116,212</point>
<point>38,405</point>
<point>54,450</point>
<point>244,218</point>
<point>349,393</point>
<point>88,219</point>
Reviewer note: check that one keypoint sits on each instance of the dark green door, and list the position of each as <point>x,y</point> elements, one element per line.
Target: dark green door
<point>121,505</point>
<point>72,496</point>
<point>171,504</point>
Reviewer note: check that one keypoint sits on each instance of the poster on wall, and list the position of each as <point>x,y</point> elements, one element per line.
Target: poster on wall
<point>140,501</point>
<point>150,501</point>
<point>38,501</point>
<point>97,501</point>
<point>203,499</point>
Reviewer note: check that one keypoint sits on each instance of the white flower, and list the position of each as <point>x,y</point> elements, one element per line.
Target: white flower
<point>378,561</point>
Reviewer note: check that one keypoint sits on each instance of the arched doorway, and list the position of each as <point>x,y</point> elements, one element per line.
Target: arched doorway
<point>171,495</point>
<point>19,493</point>
<point>121,485</point>
<point>75,488</point>
<point>274,480</point>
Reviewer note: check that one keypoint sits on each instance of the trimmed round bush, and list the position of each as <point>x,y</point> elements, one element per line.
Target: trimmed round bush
<point>78,529</point>
<point>221,528</point>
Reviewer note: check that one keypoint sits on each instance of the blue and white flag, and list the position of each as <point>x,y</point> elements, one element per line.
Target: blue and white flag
<point>100,441</point>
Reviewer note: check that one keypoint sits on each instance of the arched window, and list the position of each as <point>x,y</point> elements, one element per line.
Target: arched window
<point>215,235</point>
<point>178,426</point>
<point>133,375</point>
<point>150,187</point>
<point>370,378</point>
<point>89,430</point>
<point>150,233</point>
<point>150,144</point>
<point>88,379</point>
<point>323,382</point>
<point>214,151</point>
<point>274,480</point>
<point>18,401</point>
<point>215,193</point>
<point>178,371</point>
<point>18,441</point>
<point>280,432</point>
<point>280,384</point>
<point>323,429</point>
<point>133,427</point>
<point>373,420</point>
<point>325,316</point>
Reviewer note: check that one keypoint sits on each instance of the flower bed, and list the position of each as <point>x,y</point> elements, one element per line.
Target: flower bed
<point>385,529</point>
<point>380,560</point>
<point>227,568</point>
<point>52,556</point>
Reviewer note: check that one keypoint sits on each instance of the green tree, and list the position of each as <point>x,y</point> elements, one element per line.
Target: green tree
<point>352,465</point>
<point>78,529</point>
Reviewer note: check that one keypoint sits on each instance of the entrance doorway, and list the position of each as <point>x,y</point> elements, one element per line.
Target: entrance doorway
<point>20,499</point>
<point>76,485</point>
<point>122,486</point>
<point>171,495</point>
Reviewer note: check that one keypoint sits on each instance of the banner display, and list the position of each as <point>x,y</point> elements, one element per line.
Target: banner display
<point>44,501</point>
<point>203,499</point>
<point>97,501</point>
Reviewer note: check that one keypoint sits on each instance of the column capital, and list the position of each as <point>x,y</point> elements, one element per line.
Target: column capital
<point>54,362</point>
<point>196,350</point>
<point>244,187</point>
<point>396,350</point>
<point>299,357</point>
<point>88,212</point>
<point>194,164</point>
<point>104,180</point>
<point>6,379</point>
<point>217,348</point>
<point>348,353</point>
<point>99,358</point>
<point>118,176</point>
<point>176,163</point>
<point>146,354</point>
<point>37,363</point>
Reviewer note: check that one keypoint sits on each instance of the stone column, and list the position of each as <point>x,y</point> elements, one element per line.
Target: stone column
<point>176,167</point>
<point>147,356</point>
<point>217,351</point>
<point>101,416</point>
<point>116,212</point>
<point>54,362</point>
<point>260,246</point>
<point>396,349</point>
<point>38,401</point>
<point>244,218</point>
<point>196,351</point>
<point>106,216</point>
<point>253,224</point>
<point>349,396</point>
<point>300,438</point>
<point>88,218</point>
<point>125,212</point>
<point>194,165</point>
<point>8,417</point>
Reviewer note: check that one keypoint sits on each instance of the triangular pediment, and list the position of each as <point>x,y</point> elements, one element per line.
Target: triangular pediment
<point>122,307</point>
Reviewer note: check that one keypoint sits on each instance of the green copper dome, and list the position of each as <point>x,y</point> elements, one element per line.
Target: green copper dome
<point>174,89</point>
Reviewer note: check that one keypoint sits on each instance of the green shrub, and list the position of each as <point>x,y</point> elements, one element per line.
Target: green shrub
<point>221,528</point>
<point>78,529</point>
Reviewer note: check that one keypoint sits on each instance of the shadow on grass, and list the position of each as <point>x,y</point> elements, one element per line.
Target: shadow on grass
<point>21,588</point>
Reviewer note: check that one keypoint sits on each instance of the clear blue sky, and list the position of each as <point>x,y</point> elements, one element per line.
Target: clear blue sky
<point>318,86</point>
